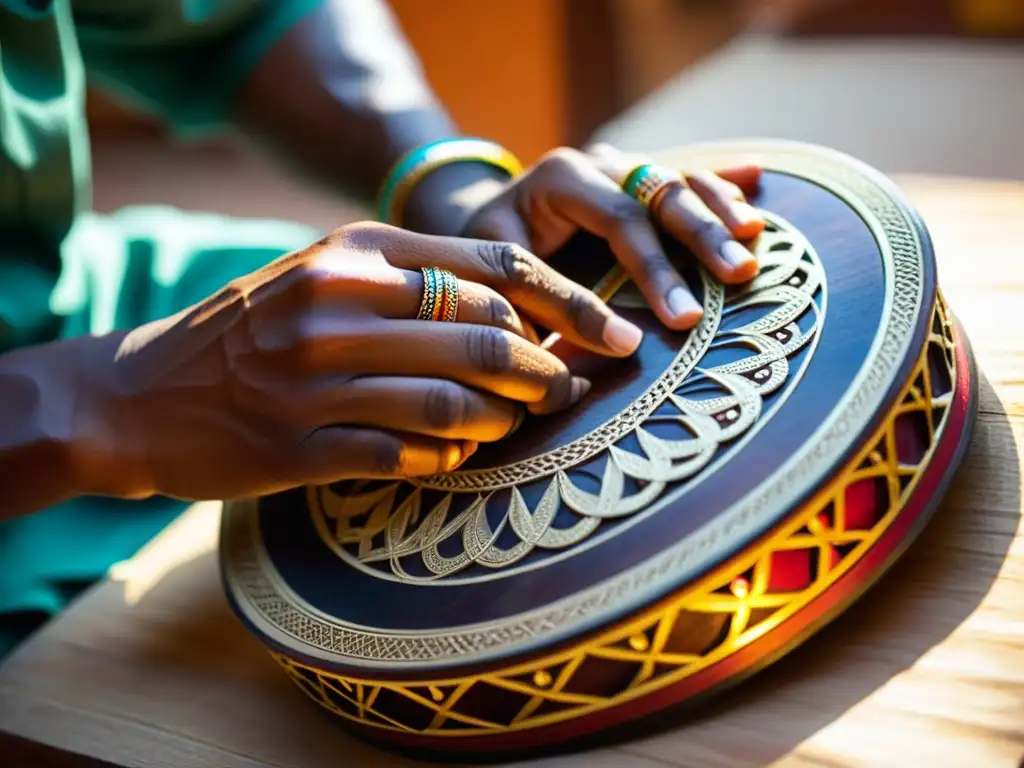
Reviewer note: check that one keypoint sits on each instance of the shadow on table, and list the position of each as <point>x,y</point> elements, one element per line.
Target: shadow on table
<point>218,686</point>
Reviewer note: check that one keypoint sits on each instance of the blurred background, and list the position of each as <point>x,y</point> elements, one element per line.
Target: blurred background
<point>910,86</point>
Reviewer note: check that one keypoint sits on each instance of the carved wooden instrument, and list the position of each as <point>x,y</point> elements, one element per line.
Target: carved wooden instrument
<point>713,501</point>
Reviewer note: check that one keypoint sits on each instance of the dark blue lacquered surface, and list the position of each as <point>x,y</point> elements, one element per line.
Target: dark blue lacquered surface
<point>853,267</point>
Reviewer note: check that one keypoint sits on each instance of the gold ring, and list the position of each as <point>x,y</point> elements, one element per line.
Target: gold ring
<point>646,182</point>
<point>440,296</point>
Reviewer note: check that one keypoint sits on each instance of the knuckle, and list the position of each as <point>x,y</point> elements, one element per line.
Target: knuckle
<point>629,212</point>
<point>389,456</point>
<point>587,315</point>
<point>709,230</point>
<point>489,350</point>
<point>500,313</point>
<point>306,282</point>
<point>302,347</point>
<point>358,235</point>
<point>561,159</point>
<point>578,309</point>
<point>710,184</point>
<point>655,271</point>
<point>447,406</point>
<point>703,176</point>
<point>510,263</point>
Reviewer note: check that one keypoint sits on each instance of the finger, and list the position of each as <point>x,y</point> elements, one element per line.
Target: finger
<point>617,165</point>
<point>534,287</point>
<point>477,305</point>
<point>745,177</point>
<point>683,214</point>
<point>614,162</point>
<point>478,356</point>
<point>687,218</point>
<point>502,224</point>
<point>332,454</point>
<point>551,299</point>
<point>726,201</point>
<point>580,192</point>
<point>432,407</point>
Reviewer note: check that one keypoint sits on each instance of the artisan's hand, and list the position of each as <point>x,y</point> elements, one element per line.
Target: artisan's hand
<point>569,190</point>
<point>315,368</point>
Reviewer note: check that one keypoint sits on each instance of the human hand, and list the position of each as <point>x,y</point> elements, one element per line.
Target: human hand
<point>315,369</point>
<point>570,190</point>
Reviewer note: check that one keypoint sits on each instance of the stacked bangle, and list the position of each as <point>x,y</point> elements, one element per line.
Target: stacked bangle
<point>415,165</point>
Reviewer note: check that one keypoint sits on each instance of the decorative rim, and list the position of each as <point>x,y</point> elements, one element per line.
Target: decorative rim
<point>738,592</point>
<point>280,617</point>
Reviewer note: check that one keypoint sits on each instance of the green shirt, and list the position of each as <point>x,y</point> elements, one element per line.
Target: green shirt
<point>181,60</point>
<point>65,271</point>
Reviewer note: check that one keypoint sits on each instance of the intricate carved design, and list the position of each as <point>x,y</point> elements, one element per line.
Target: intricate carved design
<point>282,615</point>
<point>702,624</point>
<point>391,526</point>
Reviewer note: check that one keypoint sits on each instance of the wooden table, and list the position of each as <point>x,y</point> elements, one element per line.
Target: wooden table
<point>150,670</point>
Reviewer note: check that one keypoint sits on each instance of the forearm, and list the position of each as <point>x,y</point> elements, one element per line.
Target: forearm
<point>341,97</point>
<point>50,449</point>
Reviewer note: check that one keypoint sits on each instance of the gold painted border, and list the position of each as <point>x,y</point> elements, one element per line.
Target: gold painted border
<point>270,607</point>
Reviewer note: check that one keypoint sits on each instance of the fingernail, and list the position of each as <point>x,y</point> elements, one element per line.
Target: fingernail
<point>520,418</point>
<point>682,304</point>
<point>580,387</point>
<point>736,255</point>
<point>621,335</point>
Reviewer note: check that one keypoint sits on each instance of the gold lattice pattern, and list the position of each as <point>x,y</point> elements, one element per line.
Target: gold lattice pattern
<point>707,621</point>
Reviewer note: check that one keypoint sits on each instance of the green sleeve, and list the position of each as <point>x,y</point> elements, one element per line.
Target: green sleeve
<point>180,60</point>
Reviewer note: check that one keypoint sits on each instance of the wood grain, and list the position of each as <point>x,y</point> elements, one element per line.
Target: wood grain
<point>150,670</point>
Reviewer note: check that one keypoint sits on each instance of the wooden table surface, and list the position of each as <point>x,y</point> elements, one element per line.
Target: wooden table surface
<point>150,669</point>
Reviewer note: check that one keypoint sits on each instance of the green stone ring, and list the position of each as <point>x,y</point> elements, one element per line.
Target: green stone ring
<point>647,181</point>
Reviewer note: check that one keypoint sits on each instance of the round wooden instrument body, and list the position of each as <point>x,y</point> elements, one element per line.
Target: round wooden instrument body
<point>713,502</point>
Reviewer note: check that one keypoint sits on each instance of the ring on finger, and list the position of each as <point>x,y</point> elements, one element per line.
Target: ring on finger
<point>440,301</point>
<point>647,182</point>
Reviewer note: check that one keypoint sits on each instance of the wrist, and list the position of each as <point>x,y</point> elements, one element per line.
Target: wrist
<point>435,188</point>
<point>106,456</point>
<point>35,454</point>
<point>445,199</point>
<point>37,443</point>
<point>57,431</point>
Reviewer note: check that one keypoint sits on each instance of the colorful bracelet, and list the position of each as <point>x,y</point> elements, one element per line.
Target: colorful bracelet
<point>416,164</point>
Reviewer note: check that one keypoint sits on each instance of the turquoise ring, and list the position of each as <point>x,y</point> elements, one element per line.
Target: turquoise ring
<point>647,181</point>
